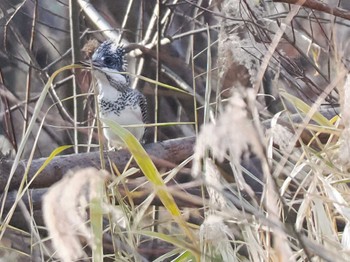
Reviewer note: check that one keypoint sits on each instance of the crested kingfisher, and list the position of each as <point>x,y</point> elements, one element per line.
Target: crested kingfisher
<point>117,101</point>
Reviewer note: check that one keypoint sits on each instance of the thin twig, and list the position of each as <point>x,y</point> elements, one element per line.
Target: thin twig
<point>74,38</point>
<point>273,47</point>
<point>29,74</point>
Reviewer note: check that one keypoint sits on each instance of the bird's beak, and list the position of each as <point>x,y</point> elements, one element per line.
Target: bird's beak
<point>89,63</point>
<point>84,63</point>
<point>96,64</point>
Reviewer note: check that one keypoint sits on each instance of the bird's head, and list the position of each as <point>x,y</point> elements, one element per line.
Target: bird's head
<point>109,58</point>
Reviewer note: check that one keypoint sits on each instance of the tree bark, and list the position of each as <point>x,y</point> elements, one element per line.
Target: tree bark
<point>164,154</point>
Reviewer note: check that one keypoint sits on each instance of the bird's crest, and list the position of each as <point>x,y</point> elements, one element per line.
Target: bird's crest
<point>110,55</point>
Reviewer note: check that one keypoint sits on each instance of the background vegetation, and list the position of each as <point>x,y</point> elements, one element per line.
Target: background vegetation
<point>246,154</point>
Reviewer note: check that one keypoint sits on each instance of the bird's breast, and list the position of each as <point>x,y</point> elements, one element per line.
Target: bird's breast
<point>124,109</point>
<point>130,117</point>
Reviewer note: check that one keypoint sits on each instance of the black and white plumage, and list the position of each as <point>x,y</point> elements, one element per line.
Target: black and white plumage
<point>117,101</point>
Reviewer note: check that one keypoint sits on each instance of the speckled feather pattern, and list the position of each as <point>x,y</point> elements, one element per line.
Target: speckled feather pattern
<point>116,99</point>
<point>126,99</point>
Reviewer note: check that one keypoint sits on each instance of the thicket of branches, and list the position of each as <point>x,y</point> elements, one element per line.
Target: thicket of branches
<point>248,129</point>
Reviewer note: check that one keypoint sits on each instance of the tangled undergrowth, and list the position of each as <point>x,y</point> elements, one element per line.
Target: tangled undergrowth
<point>260,87</point>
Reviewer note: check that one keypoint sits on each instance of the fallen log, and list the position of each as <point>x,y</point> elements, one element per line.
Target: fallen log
<point>164,154</point>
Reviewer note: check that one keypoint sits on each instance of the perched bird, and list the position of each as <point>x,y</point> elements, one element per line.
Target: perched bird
<point>117,101</point>
<point>7,150</point>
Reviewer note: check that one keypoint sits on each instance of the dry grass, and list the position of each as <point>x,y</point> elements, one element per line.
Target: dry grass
<point>271,165</point>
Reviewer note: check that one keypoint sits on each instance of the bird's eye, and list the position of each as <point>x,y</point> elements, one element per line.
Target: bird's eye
<point>108,60</point>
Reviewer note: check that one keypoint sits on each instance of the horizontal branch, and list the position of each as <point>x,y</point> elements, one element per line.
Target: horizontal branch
<point>164,154</point>
<point>320,6</point>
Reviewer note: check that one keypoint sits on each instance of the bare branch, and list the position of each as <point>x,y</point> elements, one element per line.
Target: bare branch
<point>320,6</point>
<point>174,151</point>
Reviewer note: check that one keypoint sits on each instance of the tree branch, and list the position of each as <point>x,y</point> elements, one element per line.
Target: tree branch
<point>320,6</point>
<point>164,154</point>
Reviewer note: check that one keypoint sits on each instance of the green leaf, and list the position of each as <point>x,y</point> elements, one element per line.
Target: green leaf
<point>150,171</point>
<point>54,153</point>
<point>185,257</point>
<point>305,108</point>
<point>16,161</point>
<point>170,239</point>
